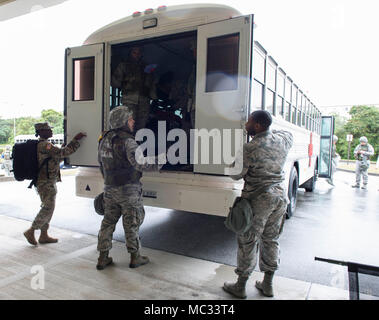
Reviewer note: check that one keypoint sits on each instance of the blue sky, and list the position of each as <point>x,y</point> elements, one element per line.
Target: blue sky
<point>328,47</point>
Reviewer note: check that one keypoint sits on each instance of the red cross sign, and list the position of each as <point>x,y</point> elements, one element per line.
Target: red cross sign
<point>310,150</point>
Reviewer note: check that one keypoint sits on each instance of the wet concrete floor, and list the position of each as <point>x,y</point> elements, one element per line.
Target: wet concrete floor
<point>333,222</point>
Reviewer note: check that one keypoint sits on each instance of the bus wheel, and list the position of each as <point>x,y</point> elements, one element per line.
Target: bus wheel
<point>292,192</point>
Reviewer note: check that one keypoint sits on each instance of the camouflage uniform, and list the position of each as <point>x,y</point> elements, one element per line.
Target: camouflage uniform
<point>363,162</point>
<point>138,88</point>
<point>263,161</point>
<point>121,165</point>
<point>48,176</point>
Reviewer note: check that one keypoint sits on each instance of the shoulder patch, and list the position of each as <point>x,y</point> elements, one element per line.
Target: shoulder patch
<point>48,146</point>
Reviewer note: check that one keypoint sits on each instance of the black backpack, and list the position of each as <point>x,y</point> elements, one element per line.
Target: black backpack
<point>25,161</point>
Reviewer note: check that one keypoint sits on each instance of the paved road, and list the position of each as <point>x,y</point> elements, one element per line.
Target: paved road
<point>338,223</point>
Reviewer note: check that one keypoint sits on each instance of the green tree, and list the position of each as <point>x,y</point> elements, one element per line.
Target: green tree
<point>340,132</point>
<point>25,125</point>
<point>364,122</point>
<point>6,129</point>
<point>54,118</point>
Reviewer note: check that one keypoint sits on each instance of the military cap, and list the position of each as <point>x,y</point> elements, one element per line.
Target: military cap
<point>119,117</point>
<point>42,126</point>
<point>363,139</point>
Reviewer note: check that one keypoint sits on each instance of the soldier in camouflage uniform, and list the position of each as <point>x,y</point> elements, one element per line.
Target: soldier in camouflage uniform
<point>48,175</point>
<point>137,85</point>
<point>263,161</point>
<point>121,165</point>
<point>362,154</point>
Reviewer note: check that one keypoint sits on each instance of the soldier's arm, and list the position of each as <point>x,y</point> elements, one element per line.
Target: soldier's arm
<point>286,136</point>
<point>370,151</point>
<point>61,153</point>
<point>138,161</point>
<point>356,149</point>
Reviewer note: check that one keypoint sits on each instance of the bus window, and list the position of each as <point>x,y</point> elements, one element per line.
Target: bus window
<point>258,65</point>
<point>280,107</point>
<point>84,79</point>
<point>288,90</point>
<point>294,115</point>
<point>313,118</point>
<point>287,107</point>
<point>294,106</point>
<point>271,75</point>
<point>257,95</point>
<point>303,110</point>
<point>294,95</point>
<point>281,78</point>
<point>270,101</point>
<point>300,106</point>
<point>222,63</point>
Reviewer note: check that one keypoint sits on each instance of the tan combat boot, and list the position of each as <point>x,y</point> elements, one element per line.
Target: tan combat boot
<point>137,260</point>
<point>266,285</point>
<point>44,237</point>
<point>29,235</point>
<point>103,260</point>
<point>237,289</point>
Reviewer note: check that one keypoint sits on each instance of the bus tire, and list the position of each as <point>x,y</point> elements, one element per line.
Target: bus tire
<point>292,192</point>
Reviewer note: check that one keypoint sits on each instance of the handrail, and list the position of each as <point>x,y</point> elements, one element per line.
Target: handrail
<point>353,269</point>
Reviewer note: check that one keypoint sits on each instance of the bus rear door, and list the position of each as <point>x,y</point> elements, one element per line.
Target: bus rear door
<point>84,100</point>
<point>326,146</point>
<point>222,83</point>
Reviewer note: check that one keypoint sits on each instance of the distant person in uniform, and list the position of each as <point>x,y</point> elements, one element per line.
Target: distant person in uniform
<point>362,154</point>
<point>137,83</point>
<point>262,169</point>
<point>335,160</point>
<point>47,178</point>
<point>121,165</point>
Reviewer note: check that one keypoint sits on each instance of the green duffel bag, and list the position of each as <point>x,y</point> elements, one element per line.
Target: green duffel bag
<point>99,204</point>
<point>240,215</point>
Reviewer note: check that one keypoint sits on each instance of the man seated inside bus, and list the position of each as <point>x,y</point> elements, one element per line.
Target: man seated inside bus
<point>137,84</point>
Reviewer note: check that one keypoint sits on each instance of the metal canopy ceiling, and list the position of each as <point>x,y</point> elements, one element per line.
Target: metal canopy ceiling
<point>14,8</point>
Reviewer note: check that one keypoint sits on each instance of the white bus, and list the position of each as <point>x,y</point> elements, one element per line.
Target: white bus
<point>234,76</point>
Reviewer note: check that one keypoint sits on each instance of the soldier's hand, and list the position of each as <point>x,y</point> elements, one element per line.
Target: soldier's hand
<point>80,135</point>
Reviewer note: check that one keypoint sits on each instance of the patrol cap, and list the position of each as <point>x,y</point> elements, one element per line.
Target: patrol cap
<point>119,116</point>
<point>42,126</point>
<point>335,138</point>
<point>363,139</point>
